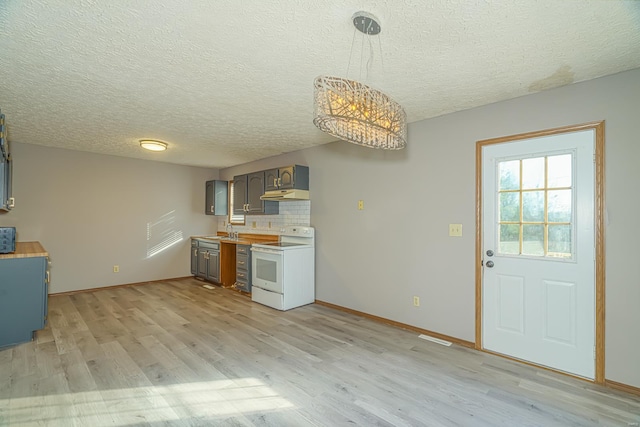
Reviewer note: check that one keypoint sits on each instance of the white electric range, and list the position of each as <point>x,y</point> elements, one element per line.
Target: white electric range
<point>283,272</point>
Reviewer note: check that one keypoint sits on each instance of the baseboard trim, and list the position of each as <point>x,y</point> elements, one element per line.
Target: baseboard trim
<point>124,285</point>
<point>400,325</point>
<point>623,387</point>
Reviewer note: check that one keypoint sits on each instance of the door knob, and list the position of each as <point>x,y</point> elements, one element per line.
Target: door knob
<point>490,264</point>
<point>489,252</point>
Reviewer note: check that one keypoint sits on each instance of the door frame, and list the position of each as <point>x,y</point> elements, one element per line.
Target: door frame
<point>599,230</point>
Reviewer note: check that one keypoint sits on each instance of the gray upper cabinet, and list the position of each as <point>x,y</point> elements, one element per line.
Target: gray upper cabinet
<point>255,189</point>
<point>287,178</point>
<point>216,198</point>
<point>239,194</point>
<point>271,179</point>
<point>247,190</point>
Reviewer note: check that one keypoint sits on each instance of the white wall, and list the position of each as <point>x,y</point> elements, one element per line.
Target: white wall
<point>375,260</point>
<point>93,211</point>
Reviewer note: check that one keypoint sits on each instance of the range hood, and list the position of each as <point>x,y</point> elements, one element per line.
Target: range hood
<point>285,195</point>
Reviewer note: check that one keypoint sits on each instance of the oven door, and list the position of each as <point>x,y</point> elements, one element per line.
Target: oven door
<point>266,266</point>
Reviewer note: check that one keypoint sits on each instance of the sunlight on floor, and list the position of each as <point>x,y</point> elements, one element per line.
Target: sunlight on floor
<point>208,400</point>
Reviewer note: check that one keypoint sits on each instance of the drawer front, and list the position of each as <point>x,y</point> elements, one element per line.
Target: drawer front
<point>207,245</point>
<point>242,285</point>
<point>242,276</point>
<point>271,299</point>
<point>242,262</point>
<point>242,250</point>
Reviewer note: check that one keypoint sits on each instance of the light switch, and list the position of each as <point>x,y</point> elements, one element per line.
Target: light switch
<point>360,205</point>
<point>455,230</point>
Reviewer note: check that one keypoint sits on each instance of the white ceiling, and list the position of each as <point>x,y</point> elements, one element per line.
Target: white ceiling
<point>227,82</point>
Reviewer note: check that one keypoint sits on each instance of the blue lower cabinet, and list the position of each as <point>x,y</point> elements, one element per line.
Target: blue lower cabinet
<point>243,268</point>
<point>23,298</point>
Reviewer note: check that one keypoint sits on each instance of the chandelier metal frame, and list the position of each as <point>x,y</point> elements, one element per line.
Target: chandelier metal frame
<point>357,113</point>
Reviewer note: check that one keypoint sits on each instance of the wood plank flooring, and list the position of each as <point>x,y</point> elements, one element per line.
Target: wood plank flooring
<point>174,353</point>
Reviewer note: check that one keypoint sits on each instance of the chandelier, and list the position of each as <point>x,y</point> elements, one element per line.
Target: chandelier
<point>355,112</point>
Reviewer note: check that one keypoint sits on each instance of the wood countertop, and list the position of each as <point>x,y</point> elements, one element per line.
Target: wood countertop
<point>26,250</point>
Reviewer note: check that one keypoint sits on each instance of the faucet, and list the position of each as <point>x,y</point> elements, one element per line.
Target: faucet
<point>230,231</point>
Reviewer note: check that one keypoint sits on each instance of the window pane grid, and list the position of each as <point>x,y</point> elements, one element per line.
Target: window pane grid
<point>524,223</point>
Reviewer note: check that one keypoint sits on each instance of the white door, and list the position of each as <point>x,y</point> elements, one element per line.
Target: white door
<point>538,284</point>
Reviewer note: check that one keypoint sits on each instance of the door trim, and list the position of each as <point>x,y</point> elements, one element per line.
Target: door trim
<point>599,230</point>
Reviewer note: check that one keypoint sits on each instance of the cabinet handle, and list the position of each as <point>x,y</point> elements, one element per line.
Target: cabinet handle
<point>275,182</point>
<point>12,202</point>
<point>241,262</point>
<point>195,252</point>
<point>279,182</point>
<point>48,278</point>
<point>211,208</point>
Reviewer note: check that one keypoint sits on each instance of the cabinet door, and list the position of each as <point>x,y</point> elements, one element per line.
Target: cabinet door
<point>221,197</point>
<point>286,178</point>
<point>271,179</point>
<point>255,189</point>
<point>239,194</point>
<point>216,198</point>
<point>194,258</point>
<point>209,206</point>
<point>213,267</point>
<point>5,184</point>
<point>23,305</point>
<point>202,263</point>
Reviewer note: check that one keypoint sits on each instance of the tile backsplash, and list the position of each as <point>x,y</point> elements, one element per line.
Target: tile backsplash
<point>291,213</point>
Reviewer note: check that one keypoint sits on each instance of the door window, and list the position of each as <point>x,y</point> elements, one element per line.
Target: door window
<point>535,206</point>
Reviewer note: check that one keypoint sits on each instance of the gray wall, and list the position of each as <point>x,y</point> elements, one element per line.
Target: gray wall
<point>93,211</point>
<point>377,259</point>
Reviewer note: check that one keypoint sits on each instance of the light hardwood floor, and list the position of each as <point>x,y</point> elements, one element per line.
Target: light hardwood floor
<point>173,353</point>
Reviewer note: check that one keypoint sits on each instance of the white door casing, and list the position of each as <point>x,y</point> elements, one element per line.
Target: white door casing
<point>538,299</point>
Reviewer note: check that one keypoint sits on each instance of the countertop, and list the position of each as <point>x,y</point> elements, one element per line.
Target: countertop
<point>243,239</point>
<point>26,250</point>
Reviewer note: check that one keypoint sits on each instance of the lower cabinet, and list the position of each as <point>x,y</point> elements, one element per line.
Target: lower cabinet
<point>23,298</point>
<point>243,268</point>
<point>205,260</point>
<point>194,257</point>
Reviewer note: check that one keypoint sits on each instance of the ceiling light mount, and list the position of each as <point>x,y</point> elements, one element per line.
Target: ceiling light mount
<point>153,145</point>
<point>366,23</point>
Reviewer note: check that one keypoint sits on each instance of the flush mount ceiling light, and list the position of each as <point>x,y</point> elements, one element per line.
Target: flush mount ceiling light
<point>355,112</point>
<point>153,145</point>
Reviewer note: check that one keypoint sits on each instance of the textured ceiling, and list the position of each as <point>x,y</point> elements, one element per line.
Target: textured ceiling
<point>227,82</point>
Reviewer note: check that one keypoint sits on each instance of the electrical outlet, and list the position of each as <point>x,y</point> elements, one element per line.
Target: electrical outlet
<point>416,301</point>
<point>253,224</point>
<point>269,224</point>
<point>360,205</point>
<point>116,269</point>
<point>455,230</point>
